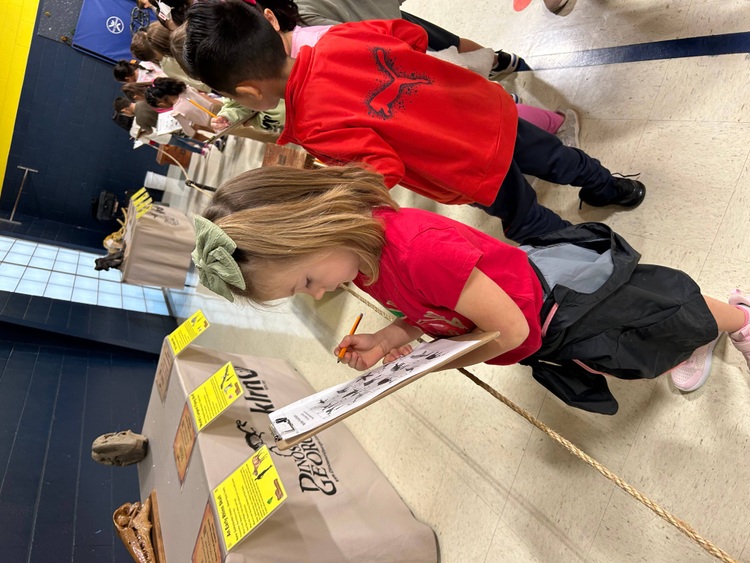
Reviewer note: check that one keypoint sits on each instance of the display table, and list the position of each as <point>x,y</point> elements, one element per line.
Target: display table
<point>179,154</point>
<point>340,507</point>
<point>277,155</point>
<point>157,247</point>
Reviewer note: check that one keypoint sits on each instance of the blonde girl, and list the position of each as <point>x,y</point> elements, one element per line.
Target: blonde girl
<point>575,305</point>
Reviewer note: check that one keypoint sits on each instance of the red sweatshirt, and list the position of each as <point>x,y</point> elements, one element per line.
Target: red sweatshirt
<point>367,92</point>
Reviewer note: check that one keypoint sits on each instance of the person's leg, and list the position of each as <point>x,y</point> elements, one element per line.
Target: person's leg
<point>191,145</point>
<point>439,39</point>
<point>467,45</point>
<point>543,155</point>
<point>732,317</point>
<point>194,142</point>
<point>729,318</point>
<point>517,207</point>
<point>549,121</point>
<point>740,337</point>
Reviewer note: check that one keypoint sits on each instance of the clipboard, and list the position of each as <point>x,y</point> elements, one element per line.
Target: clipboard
<point>304,418</point>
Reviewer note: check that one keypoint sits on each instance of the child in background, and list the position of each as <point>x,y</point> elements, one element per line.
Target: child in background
<point>577,298</point>
<point>159,39</point>
<point>168,93</point>
<point>136,91</point>
<point>141,48</point>
<point>367,92</point>
<point>146,121</point>
<point>268,122</point>
<point>134,71</point>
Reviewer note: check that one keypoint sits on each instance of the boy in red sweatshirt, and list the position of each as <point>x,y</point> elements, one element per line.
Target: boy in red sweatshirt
<point>367,92</point>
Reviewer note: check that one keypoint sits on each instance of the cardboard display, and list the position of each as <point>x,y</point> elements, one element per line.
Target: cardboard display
<point>340,507</point>
<point>158,247</point>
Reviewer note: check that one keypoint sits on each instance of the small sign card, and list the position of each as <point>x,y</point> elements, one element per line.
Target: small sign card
<point>188,331</point>
<point>164,369</point>
<point>207,547</point>
<point>214,395</point>
<point>183,444</point>
<point>247,497</point>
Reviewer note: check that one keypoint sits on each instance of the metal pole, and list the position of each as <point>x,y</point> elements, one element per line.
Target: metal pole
<point>26,171</point>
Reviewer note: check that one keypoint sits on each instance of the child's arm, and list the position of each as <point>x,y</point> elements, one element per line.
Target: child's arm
<point>485,304</point>
<point>364,350</point>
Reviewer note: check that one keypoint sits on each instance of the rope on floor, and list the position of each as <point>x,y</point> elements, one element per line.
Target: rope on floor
<point>681,525</point>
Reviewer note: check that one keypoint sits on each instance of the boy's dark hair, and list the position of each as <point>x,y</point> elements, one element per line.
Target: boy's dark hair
<point>229,42</point>
<point>124,69</point>
<point>124,121</point>
<point>121,104</point>
<point>163,87</point>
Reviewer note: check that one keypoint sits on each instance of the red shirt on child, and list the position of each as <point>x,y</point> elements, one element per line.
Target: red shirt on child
<point>426,261</point>
<point>366,92</point>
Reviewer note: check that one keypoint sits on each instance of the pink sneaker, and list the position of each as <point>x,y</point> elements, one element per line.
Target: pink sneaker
<point>693,372</point>
<point>741,338</point>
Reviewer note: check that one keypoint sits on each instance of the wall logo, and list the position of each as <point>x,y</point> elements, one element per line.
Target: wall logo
<point>115,25</point>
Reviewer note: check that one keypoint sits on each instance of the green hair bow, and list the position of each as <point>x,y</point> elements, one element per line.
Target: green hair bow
<point>217,270</point>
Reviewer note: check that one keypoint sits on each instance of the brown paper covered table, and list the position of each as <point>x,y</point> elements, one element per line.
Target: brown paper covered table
<point>340,506</point>
<point>157,247</point>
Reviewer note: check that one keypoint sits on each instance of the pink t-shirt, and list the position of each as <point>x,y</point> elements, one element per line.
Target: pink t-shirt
<point>152,71</point>
<point>190,116</point>
<point>306,37</point>
<point>426,261</point>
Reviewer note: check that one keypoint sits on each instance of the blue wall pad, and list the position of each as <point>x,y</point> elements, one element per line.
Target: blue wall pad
<point>726,44</point>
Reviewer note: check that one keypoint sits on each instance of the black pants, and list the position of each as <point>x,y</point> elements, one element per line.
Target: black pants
<point>541,154</point>
<point>437,37</point>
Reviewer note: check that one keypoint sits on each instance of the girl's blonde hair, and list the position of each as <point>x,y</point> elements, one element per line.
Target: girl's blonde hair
<point>278,216</point>
<point>158,38</point>
<point>177,47</point>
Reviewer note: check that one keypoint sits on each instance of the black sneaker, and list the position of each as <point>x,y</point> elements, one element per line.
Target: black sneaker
<point>507,63</point>
<point>630,194</point>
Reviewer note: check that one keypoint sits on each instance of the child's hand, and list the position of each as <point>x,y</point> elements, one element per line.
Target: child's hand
<point>396,353</point>
<point>362,351</point>
<point>219,123</point>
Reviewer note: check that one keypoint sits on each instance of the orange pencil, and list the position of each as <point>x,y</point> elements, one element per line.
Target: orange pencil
<point>196,104</point>
<point>354,328</point>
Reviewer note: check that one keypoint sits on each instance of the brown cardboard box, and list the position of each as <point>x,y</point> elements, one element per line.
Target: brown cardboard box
<point>340,506</point>
<point>276,155</point>
<point>179,154</point>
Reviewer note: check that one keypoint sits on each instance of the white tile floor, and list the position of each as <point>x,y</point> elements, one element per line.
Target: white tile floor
<point>69,275</point>
<point>494,488</point>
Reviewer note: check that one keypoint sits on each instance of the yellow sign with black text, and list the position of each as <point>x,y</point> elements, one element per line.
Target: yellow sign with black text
<point>188,331</point>
<point>214,395</point>
<point>246,498</point>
